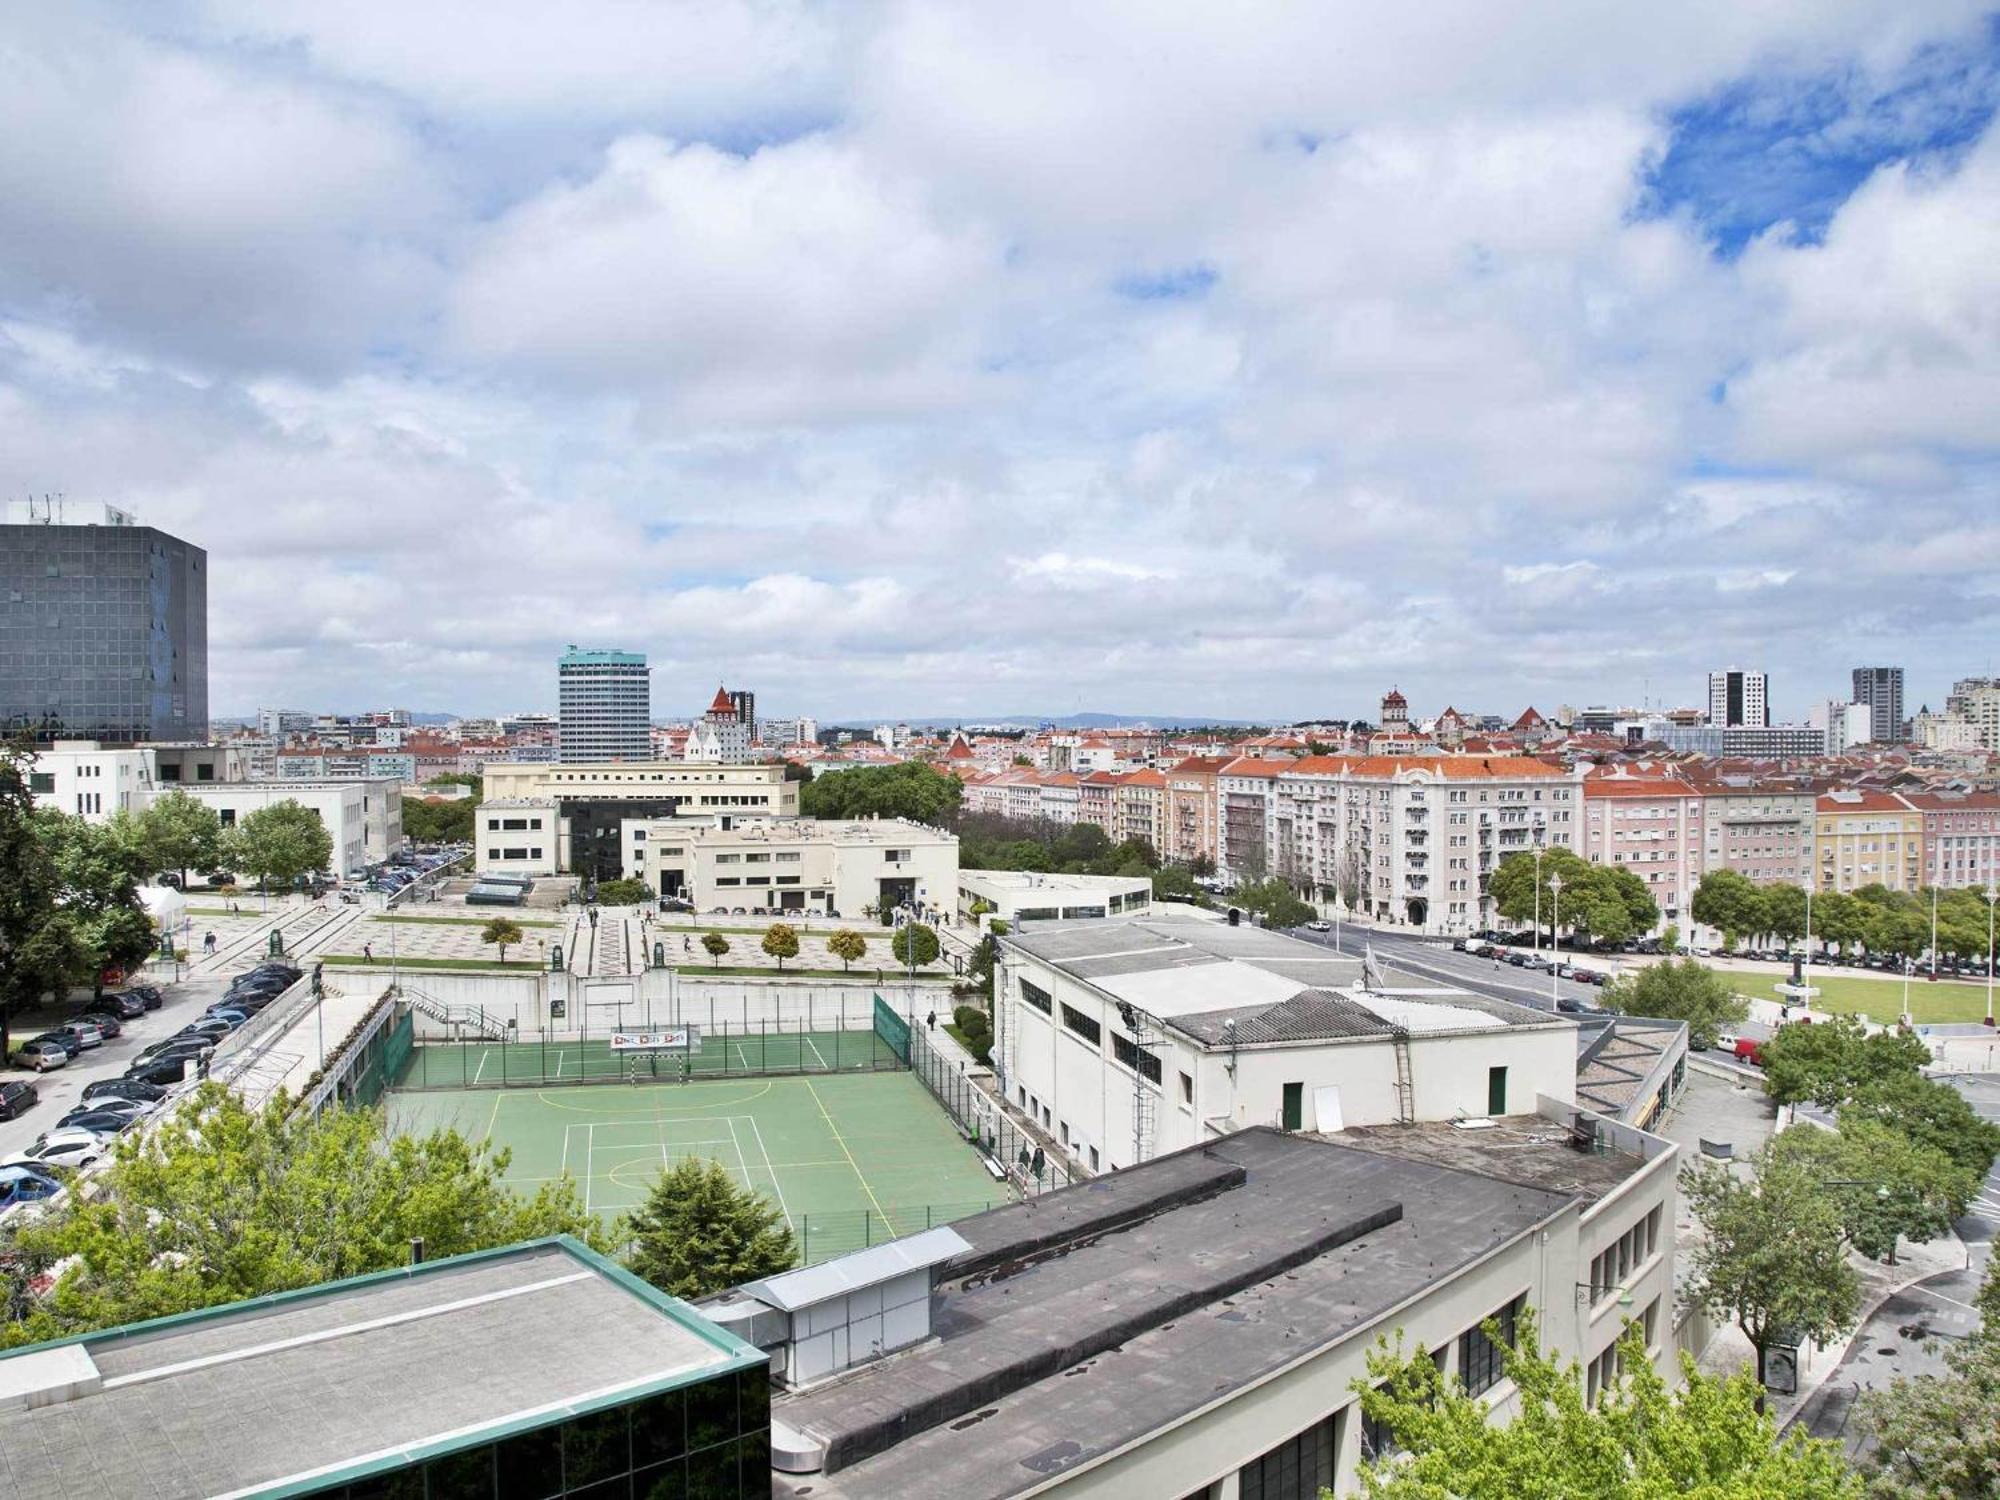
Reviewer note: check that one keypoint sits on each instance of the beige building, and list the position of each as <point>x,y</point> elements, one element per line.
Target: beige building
<point>1868,838</point>
<point>591,803</point>
<point>804,865</point>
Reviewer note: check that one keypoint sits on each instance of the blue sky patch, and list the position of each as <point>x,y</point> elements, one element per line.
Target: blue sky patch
<point>1181,284</point>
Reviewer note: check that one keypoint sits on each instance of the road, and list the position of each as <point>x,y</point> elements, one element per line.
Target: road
<point>1436,959</point>
<point>1909,1333</point>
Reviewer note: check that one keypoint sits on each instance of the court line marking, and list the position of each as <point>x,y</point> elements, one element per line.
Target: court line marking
<point>480,1071</point>
<point>807,1039</point>
<point>772,1167</point>
<point>841,1141</point>
<point>692,1109</point>
<point>742,1161</point>
<point>493,1118</point>
<point>589,1162</point>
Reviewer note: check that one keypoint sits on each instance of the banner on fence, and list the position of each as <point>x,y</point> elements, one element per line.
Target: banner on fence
<point>660,1039</point>
<point>892,1028</point>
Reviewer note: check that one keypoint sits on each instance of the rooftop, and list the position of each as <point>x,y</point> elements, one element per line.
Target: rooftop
<point>1196,974</point>
<point>578,657</point>
<point>1027,880</point>
<point>351,1378</point>
<point>1082,1320</point>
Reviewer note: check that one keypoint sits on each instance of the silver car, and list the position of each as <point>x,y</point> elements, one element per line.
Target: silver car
<point>41,1056</point>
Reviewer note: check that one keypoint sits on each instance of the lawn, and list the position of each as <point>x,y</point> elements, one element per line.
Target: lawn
<point>1880,999</point>
<point>459,921</point>
<point>357,961</point>
<point>866,971</point>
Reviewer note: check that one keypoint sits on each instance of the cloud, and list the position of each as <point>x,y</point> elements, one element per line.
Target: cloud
<point>932,358</point>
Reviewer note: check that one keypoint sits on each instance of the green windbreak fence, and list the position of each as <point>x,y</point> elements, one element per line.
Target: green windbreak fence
<point>550,1058</point>
<point>892,1028</point>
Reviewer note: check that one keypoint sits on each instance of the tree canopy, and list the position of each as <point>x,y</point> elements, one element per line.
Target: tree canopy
<point>222,1202</point>
<point>1639,1441</point>
<point>1606,902</point>
<point>698,1233</point>
<point>847,945</point>
<point>914,944</point>
<point>279,843</point>
<point>781,941</point>
<point>910,789</point>
<point>1937,1437</point>
<point>1828,1062</point>
<point>503,933</point>
<point>1885,1187</point>
<point>1680,990</point>
<point>181,833</point>
<point>1274,900</point>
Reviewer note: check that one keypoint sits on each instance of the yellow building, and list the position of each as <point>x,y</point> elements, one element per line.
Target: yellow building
<point>1867,838</point>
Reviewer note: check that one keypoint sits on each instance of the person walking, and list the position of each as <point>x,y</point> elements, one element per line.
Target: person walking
<point>368,952</point>
<point>208,945</point>
<point>931,1020</point>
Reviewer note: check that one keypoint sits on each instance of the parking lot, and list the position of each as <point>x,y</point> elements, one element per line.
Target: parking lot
<point>62,1088</point>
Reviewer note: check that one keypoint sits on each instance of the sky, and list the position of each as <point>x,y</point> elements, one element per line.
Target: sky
<point>961,359</point>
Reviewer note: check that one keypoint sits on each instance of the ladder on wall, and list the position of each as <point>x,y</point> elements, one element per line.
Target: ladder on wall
<point>1406,1107</point>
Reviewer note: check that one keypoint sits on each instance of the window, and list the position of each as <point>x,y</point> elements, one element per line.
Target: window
<point>1038,997</point>
<point>729,880</point>
<point>41,781</point>
<point>1083,1025</point>
<point>1479,1364</point>
<point>1297,1469</point>
<point>1187,1088</point>
<point>228,817</point>
<point>1126,1050</point>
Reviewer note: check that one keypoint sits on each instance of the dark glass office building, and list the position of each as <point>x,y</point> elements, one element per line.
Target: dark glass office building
<point>103,627</point>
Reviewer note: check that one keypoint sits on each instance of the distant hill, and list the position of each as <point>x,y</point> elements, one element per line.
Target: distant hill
<point>1059,721</point>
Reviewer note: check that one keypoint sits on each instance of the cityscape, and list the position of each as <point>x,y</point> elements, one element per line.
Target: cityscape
<point>582,908</point>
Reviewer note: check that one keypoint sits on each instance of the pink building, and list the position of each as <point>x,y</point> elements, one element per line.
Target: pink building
<point>1653,826</point>
<point>1961,837</point>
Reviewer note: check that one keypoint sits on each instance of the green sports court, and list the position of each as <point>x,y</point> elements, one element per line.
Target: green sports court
<point>852,1158</point>
<point>476,1062</point>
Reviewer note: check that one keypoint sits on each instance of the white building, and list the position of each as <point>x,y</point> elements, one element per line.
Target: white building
<point>806,865</point>
<point>1201,1321</point>
<point>1414,840</point>
<point>96,781</point>
<point>1845,724</point>
<point>722,736</point>
<point>1738,699</point>
<point>364,818</point>
<point>604,702</point>
<point>1017,896</point>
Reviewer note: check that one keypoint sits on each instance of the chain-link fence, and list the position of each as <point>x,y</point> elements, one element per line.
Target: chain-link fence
<point>1016,1153</point>
<point>540,1060</point>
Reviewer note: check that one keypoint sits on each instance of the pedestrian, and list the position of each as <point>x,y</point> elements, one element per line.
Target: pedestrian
<point>208,945</point>
<point>931,1020</point>
<point>368,951</point>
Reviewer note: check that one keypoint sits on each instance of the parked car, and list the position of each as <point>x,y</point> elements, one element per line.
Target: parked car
<point>176,1046</point>
<point>234,1015</point>
<point>125,1005</point>
<point>41,1054</point>
<point>71,1147</point>
<point>124,1088</point>
<point>1316,925</point>
<point>23,1184</point>
<point>150,995</point>
<point>86,1035</point>
<point>161,1072</point>
<point>214,1028</point>
<point>16,1095</point>
<point>103,1121</point>
<point>108,1025</point>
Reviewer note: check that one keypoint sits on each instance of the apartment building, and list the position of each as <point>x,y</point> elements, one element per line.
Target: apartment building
<point>804,865</point>
<point>1416,839</point>
<point>1248,788</point>
<point>1651,825</point>
<point>1762,832</point>
<point>1138,807</point>
<point>1867,838</point>
<point>1095,799</point>
<point>1961,837</point>
<point>1192,808</point>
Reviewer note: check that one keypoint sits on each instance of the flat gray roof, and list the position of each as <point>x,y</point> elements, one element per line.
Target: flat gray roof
<point>1084,1319</point>
<point>241,1400</point>
<point>1194,975</point>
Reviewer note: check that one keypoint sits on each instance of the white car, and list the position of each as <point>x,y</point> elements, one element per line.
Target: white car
<point>1320,926</point>
<point>68,1146</point>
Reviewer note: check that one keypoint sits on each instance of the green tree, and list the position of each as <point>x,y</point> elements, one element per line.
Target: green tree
<point>181,833</point>
<point>1931,1114</point>
<point>1640,1441</point>
<point>781,941</point>
<point>503,933</point>
<point>847,945</point>
<point>698,1233</point>
<point>1731,902</point>
<point>715,943</point>
<point>279,843</point>
<point>914,945</point>
<point>1680,990</point>
<point>1838,918</point>
<point>1937,1437</point>
<point>33,960</point>
<point>1274,900</point>
<point>1176,883</point>
<point>1885,1186</point>
<point>1828,1062</point>
<point>1773,1253</point>
<point>439,820</point>
<point>1785,912</point>
<point>909,790</point>
<point>221,1203</point>
<point>98,867</point>
<point>623,893</point>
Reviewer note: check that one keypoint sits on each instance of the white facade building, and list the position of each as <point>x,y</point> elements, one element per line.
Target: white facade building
<point>1845,724</point>
<point>806,865</point>
<point>96,781</point>
<point>1017,896</point>
<point>364,818</point>
<point>1738,699</point>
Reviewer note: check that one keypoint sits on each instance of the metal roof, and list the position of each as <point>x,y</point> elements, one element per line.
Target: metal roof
<point>793,1290</point>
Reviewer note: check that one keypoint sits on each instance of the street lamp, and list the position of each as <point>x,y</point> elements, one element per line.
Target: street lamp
<point>1992,895</point>
<point>1555,933</point>
<point>1538,899</point>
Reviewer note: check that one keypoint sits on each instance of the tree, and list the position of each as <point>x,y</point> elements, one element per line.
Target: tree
<point>1176,883</point>
<point>1785,912</point>
<point>623,893</point>
<point>1773,1254</point>
<point>698,1233</point>
<point>847,945</point>
<point>1603,901</point>
<point>279,843</point>
<point>1937,1437</point>
<point>914,945</point>
<point>781,941</point>
<point>98,867</point>
<point>181,833</point>
<point>1828,1062</point>
<point>1680,991</point>
<point>1640,1441</point>
<point>439,820</point>
<point>1731,902</point>
<point>503,933</point>
<point>715,943</point>
<point>221,1203</point>
<point>1274,900</point>
<point>910,790</point>
<point>1930,1113</point>
<point>1838,918</point>
<point>1885,1187</point>
<point>32,960</point>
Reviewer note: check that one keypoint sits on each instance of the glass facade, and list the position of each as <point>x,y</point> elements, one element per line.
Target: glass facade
<point>103,634</point>
<point>706,1441</point>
